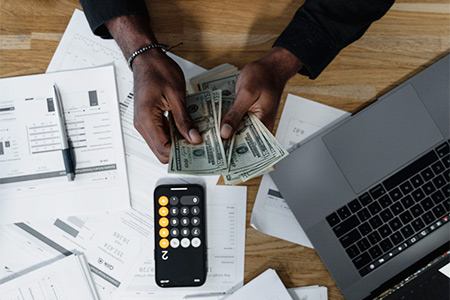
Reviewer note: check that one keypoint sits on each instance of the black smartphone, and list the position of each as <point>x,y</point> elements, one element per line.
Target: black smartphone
<point>180,235</point>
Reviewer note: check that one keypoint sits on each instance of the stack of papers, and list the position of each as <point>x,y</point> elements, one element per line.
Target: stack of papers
<point>66,279</point>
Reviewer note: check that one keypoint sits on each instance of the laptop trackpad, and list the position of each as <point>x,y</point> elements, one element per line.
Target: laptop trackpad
<point>379,140</point>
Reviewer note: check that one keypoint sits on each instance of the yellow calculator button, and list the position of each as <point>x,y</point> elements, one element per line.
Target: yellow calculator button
<point>163,222</point>
<point>164,243</point>
<point>163,200</point>
<point>163,211</point>
<point>164,232</point>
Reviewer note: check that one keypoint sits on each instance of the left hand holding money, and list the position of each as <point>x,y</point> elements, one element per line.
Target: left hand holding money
<point>259,88</point>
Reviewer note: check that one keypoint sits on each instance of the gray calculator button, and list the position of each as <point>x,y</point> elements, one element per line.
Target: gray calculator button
<point>173,200</point>
<point>195,221</point>
<point>174,232</point>
<point>196,242</point>
<point>174,211</point>
<point>174,221</point>
<point>174,243</point>
<point>195,231</point>
<point>185,243</point>
<point>190,200</point>
<point>184,211</point>
<point>185,221</point>
<point>185,232</point>
<point>195,210</point>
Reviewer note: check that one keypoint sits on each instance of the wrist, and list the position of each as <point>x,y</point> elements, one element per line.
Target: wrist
<point>283,62</point>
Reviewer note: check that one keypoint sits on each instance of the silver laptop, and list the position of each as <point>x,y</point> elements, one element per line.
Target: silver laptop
<point>372,191</point>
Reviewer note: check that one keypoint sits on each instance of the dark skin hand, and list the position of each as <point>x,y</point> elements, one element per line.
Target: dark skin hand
<point>259,88</point>
<point>159,86</point>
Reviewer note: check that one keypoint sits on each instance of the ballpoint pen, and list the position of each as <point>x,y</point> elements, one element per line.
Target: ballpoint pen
<point>67,154</point>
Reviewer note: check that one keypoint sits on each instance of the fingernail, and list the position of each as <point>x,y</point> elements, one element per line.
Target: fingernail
<point>195,136</point>
<point>225,131</point>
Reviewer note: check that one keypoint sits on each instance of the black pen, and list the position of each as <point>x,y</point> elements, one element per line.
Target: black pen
<point>67,154</point>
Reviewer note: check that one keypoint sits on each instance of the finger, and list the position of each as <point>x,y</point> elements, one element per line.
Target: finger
<point>151,125</point>
<point>182,119</point>
<point>244,100</point>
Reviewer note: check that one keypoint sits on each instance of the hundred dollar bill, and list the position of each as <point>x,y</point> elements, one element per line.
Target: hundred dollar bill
<point>217,99</point>
<point>227,102</point>
<point>207,157</point>
<point>226,83</point>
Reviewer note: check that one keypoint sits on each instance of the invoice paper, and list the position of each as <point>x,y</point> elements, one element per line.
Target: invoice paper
<point>226,252</point>
<point>300,119</point>
<point>65,279</point>
<point>33,182</point>
<point>314,292</point>
<point>267,286</point>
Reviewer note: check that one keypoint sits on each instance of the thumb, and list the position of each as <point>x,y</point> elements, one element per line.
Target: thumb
<point>184,123</point>
<point>233,117</point>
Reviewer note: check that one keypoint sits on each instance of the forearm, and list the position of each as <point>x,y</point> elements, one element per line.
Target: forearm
<point>131,33</point>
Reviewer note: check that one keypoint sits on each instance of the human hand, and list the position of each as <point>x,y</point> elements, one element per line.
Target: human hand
<point>159,86</point>
<point>259,88</point>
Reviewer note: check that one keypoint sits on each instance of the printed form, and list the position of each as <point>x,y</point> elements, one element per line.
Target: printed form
<point>33,182</point>
<point>112,242</point>
<point>300,119</point>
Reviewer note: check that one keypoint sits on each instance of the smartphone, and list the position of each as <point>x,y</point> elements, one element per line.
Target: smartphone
<point>180,235</point>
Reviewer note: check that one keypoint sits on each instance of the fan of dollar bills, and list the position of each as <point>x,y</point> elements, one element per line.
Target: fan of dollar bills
<point>252,150</point>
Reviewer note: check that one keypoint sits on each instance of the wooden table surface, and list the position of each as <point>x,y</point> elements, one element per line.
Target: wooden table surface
<point>410,37</point>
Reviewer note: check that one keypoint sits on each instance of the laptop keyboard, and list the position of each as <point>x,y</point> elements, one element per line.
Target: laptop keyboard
<point>396,213</point>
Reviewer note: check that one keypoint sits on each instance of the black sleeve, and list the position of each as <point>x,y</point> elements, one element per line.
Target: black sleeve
<point>321,28</point>
<point>98,12</point>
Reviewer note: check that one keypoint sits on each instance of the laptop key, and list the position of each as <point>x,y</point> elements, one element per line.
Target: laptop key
<point>397,208</point>
<point>407,231</point>
<point>374,208</point>
<point>386,215</point>
<point>406,217</point>
<point>446,161</point>
<point>365,229</point>
<point>396,194</point>
<point>365,199</point>
<point>406,187</point>
<point>396,238</point>
<point>437,197</point>
<point>346,226</point>
<point>428,188</point>
<point>416,210</point>
<point>385,231</point>
<point>439,181</point>
<point>364,215</point>
<point>427,174</point>
<point>355,206</point>
<point>417,181</point>
<point>439,211</point>
<point>374,237</point>
<point>407,201</point>
<point>375,251</point>
<point>427,203</point>
<point>442,150</point>
<point>350,238</point>
<point>363,244</point>
<point>362,260</point>
<point>437,167</point>
<point>385,201</point>
<point>386,245</point>
<point>377,191</point>
<point>417,224</point>
<point>352,251</point>
<point>375,222</point>
<point>343,212</point>
<point>333,219</point>
<point>428,218</point>
<point>395,224</point>
<point>418,195</point>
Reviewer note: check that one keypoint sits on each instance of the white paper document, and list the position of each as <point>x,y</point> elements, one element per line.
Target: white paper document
<point>65,279</point>
<point>314,292</point>
<point>300,119</point>
<point>226,252</point>
<point>33,182</point>
<point>267,286</point>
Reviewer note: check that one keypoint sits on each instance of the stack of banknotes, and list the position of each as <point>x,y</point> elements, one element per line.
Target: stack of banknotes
<point>251,151</point>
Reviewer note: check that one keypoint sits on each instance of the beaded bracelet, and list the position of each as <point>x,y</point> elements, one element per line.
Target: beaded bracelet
<point>142,50</point>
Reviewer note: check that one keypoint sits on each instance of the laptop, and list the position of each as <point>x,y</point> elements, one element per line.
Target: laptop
<point>372,190</point>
